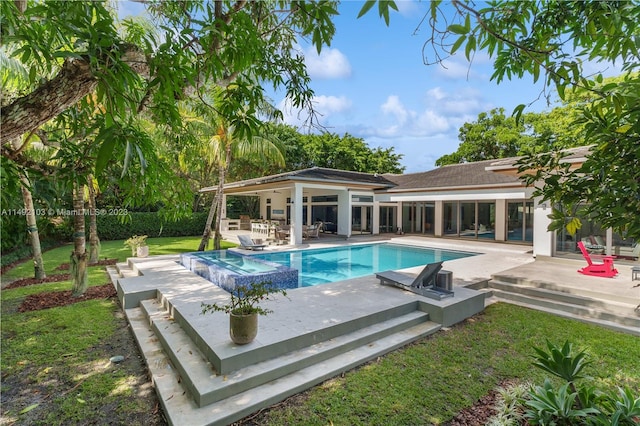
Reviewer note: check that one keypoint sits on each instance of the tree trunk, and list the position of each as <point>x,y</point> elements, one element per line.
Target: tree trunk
<point>74,81</point>
<point>94,241</point>
<point>32,226</point>
<point>207,227</point>
<point>217,236</point>
<point>79,254</point>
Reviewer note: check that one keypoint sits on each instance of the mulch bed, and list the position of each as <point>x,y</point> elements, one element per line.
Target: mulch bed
<point>54,278</point>
<point>479,413</point>
<point>53,299</point>
<point>31,281</point>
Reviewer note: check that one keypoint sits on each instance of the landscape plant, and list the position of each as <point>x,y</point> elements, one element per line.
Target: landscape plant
<point>246,299</point>
<point>136,241</point>
<point>568,404</point>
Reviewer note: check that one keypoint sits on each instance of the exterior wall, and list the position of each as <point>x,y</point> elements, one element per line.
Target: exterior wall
<point>543,240</point>
<point>344,213</point>
<point>439,228</point>
<point>375,223</point>
<point>501,218</point>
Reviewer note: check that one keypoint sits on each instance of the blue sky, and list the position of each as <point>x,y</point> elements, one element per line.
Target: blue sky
<point>372,83</point>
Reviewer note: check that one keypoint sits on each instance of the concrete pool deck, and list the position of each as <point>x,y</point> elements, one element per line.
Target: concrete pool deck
<point>317,333</point>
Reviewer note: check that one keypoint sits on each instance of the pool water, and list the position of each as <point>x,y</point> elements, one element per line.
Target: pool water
<point>243,265</point>
<point>320,266</point>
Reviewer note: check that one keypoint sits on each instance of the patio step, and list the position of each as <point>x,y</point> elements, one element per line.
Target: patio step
<point>177,364</point>
<point>567,288</point>
<point>614,312</point>
<point>228,361</point>
<point>125,270</point>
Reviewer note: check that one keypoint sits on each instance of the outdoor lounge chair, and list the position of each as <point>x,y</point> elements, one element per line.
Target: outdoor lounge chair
<point>311,232</point>
<point>424,284</point>
<point>248,244</point>
<point>604,269</point>
<point>632,253</point>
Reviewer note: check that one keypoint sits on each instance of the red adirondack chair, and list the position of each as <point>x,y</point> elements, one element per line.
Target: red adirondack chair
<point>604,269</point>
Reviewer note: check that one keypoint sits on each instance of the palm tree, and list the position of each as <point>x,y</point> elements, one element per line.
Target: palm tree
<point>223,147</point>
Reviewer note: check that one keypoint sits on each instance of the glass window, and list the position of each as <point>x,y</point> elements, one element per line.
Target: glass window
<point>450,212</point>
<point>520,221</point>
<point>486,220</point>
<point>324,198</point>
<point>387,219</point>
<point>468,225</point>
<point>362,198</point>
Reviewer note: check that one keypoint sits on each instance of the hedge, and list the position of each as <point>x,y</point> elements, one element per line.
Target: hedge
<point>111,227</point>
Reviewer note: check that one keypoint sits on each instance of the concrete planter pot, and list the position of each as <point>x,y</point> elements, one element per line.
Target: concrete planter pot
<point>243,328</point>
<point>142,251</point>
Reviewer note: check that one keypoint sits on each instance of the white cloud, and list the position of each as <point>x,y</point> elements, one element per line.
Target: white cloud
<point>394,107</point>
<point>408,8</point>
<point>325,107</point>
<point>328,105</point>
<point>330,64</point>
<point>461,102</point>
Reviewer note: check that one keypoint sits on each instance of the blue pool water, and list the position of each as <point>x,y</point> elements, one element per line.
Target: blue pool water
<point>320,266</point>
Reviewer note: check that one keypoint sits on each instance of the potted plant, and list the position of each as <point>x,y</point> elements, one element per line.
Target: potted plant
<point>138,245</point>
<point>244,308</point>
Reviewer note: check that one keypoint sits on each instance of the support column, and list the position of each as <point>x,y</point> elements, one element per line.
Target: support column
<point>344,213</point>
<point>295,235</point>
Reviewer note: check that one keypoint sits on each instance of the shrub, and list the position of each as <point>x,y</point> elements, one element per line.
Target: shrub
<point>570,404</point>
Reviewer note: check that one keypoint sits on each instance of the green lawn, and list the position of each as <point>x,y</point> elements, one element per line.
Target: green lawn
<point>55,362</point>
<point>429,382</point>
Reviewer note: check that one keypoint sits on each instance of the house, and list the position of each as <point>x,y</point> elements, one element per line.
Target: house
<point>482,200</point>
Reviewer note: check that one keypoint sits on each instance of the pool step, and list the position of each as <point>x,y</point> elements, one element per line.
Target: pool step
<point>177,364</point>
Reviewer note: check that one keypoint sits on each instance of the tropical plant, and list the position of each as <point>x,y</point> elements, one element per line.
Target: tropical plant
<point>246,299</point>
<point>550,405</point>
<point>562,362</point>
<point>134,242</point>
<point>226,144</point>
<point>509,411</point>
<point>569,404</point>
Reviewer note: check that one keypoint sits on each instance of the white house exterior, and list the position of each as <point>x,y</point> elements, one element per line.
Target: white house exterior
<point>482,200</point>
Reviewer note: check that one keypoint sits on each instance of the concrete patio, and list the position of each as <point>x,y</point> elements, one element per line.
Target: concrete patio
<point>321,331</point>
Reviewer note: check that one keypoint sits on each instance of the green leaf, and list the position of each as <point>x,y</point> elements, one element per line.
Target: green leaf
<point>106,149</point>
<point>457,44</point>
<point>471,46</point>
<point>517,112</point>
<point>458,29</point>
<point>29,408</point>
<point>366,7</point>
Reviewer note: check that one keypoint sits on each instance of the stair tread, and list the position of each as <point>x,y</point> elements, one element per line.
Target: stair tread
<point>171,392</point>
<point>609,324</point>
<point>620,309</point>
<point>603,298</point>
<point>203,375</point>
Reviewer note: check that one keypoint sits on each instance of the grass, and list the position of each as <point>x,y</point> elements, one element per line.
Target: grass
<point>56,362</point>
<point>429,382</point>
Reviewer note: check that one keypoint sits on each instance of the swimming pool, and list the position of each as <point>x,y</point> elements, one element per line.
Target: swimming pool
<point>327,265</point>
<point>304,268</point>
<point>229,270</point>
